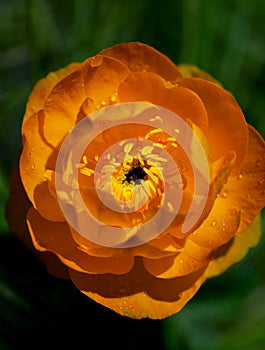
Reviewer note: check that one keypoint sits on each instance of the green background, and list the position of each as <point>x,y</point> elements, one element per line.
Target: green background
<point>225,38</point>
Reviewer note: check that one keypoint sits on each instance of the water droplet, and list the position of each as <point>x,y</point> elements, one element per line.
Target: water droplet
<point>96,61</point>
<point>33,166</point>
<point>103,103</point>
<point>213,223</point>
<point>130,307</point>
<point>224,194</point>
<point>114,97</point>
<point>124,302</point>
<point>121,307</point>
<point>240,176</point>
<point>181,261</point>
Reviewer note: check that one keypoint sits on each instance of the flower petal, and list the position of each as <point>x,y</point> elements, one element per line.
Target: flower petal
<point>97,79</point>
<point>190,259</point>
<point>152,88</point>
<point>43,88</point>
<point>36,156</point>
<point>16,212</point>
<point>235,250</point>
<point>17,208</point>
<point>56,238</point>
<point>245,187</point>
<point>156,249</point>
<point>190,71</point>
<point>227,125</point>
<point>138,294</point>
<point>143,58</point>
<point>45,199</point>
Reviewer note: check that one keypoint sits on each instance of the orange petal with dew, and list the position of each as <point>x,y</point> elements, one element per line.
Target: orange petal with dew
<point>97,79</point>
<point>37,155</point>
<point>143,58</point>
<point>227,126</point>
<point>245,187</point>
<point>152,88</point>
<point>235,250</point>
<point>156,249</point>
<point>45,199</point>
<point>43,88</point>
<point>191,258</point>
<point>138,294</point>
<point>56,238</point>
<point>223,220</point>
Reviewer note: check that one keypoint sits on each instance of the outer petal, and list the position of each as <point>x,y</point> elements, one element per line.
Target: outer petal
<point>156,249</point>
<point>246,186</point>
<point>138,294</point>
<point>227,126</point>
<point>56,238</point>
<point>190,71</point>
<point>16,212</point>
<point>36,157</point>
<point>143,58</point>
<point>44,87</point>
<point>190,259</point>
<point>97,79</point>
<point>150,87</point>
<point>235,250</point>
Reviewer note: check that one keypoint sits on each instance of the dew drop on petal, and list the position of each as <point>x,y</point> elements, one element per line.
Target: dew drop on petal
<point>224,194</point>
<point>114,97</point>
<point>240,176</point>
<point>213,223</point>
<point>96,61</point>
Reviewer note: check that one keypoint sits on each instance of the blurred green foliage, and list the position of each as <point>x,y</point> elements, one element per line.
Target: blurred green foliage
<point>225,38</point>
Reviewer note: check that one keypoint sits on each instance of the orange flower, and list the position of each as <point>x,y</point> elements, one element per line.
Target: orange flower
<point>157,275</point>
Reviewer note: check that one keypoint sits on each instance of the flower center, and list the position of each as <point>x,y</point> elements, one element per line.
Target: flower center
<point>137,183</point>
<point>136,173</point>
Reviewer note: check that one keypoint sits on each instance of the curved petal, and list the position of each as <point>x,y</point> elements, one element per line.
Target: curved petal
<point>223,220</point>
<point>227,126</point>
<point>190,71</point>
<point>55,237</point>
<point>190,259</point>
<point>97,79</point>
<point>245,187</point>
<point>152,88</point>
<point>45,199</point>
<point>43,88</point>
<point>16,212</point>
<point>156,249</point>
<point>17,208</point>
<point>36,156</point>
<point>140,57</point>
<point>235,250</point>
<point>138,294</point>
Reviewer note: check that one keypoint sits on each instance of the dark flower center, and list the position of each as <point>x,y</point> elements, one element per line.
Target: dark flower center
<point>136,173</point>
